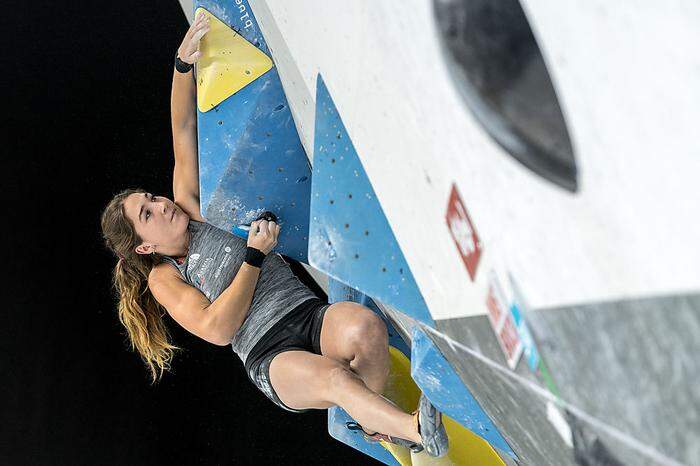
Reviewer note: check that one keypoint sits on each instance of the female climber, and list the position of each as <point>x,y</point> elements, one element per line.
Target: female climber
<point>300,352</point>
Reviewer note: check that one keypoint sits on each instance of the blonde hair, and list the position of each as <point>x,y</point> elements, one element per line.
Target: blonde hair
<point>138,310</point>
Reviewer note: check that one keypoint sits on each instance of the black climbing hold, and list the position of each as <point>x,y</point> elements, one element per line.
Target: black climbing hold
<point>498,68</point>
<point>267,215</point>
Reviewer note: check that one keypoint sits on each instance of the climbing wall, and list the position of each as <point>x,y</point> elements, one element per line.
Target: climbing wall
<point>546,295</point>
<point>569,310</point>
<point>250,156</point>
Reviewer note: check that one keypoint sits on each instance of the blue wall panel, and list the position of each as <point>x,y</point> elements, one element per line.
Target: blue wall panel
<point>443,387</point>
<point>250,155</point>
<point>337,417</point>
<point>350,237</point>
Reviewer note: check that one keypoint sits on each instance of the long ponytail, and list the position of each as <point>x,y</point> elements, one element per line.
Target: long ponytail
<point>138,310</point>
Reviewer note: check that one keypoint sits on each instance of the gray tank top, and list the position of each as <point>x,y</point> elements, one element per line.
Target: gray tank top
<point>214,258</point>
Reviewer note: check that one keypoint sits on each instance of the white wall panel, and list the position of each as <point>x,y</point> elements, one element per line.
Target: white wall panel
<point>627,81</point>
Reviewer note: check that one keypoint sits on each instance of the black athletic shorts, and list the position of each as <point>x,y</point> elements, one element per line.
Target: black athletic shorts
<point>298,330</point>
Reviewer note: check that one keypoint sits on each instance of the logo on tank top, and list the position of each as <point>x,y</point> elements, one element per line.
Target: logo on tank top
<point>205,266</point>
<point>194,258</point>
<point>224,262</point>
<point>201,273</point>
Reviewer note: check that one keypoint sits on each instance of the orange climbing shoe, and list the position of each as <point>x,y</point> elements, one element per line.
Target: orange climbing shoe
<point>377,437</point>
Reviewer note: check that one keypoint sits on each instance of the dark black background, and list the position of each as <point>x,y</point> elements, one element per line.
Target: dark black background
<point>85,113</point>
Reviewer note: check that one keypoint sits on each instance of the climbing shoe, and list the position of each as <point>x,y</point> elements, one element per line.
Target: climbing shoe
<point>432,431</point>
<point>376,437</point>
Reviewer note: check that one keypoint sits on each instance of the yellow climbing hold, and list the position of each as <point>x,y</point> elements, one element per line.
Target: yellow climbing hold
<point>228,63</point>
<point>466,448</point>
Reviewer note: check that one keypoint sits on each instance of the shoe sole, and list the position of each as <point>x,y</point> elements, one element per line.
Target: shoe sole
<point>435,428</point>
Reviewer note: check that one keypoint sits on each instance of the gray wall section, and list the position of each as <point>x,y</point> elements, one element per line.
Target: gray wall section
<point>518,413</point>
<point>633,365</point>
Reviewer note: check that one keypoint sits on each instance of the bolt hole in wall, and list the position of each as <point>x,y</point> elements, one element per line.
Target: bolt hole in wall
<point>499,71</point>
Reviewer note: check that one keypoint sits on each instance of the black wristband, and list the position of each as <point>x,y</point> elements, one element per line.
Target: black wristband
<point>181,66</point>
<point>254,257</point>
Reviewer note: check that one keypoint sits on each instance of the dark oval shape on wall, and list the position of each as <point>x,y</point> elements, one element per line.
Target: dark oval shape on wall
<point>497,66</point>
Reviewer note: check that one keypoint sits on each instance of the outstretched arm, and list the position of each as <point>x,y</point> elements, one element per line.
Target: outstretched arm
<point>184,123</point>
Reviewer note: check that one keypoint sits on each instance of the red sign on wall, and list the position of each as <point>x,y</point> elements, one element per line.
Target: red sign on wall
<point>503,323</point>
<point>463,232</point>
